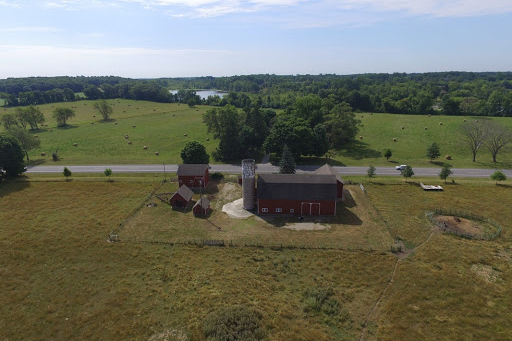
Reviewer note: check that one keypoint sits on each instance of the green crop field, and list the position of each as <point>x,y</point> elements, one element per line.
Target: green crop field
<point>61,276</point>
<point>165,128</point>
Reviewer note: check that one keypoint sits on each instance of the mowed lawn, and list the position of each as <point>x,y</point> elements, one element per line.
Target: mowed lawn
<point>356,226</point>
<point>162,128</point>
<point>379,130</point>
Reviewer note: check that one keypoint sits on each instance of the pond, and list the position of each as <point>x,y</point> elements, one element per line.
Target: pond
<point>205,93</point>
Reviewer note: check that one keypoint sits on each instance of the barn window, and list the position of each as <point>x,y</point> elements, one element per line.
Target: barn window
<point>181,181</point>
<point>292,210</point>
<point>279,210</point>
<point>264,210</point>
<point>191,181</point>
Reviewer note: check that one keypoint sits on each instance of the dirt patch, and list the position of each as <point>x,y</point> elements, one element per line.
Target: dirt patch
<point>461,225</point>
<point>235,210</point>
<point>485,272</point>
<point>169,335</point>
<point>306,226</point>
<point>228,192</point>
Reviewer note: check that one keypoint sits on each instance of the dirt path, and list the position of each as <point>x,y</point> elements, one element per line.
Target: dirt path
<point>400,257</point>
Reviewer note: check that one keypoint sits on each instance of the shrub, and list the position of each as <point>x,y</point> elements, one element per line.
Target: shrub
<point>217,176</point>
<point>241,323</point>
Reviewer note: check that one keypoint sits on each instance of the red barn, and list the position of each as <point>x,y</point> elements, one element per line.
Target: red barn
<point>181,198</point>
<point>201,207</point>
<point>297,194</point>
<point>193,175</point>
<point>326,170</point>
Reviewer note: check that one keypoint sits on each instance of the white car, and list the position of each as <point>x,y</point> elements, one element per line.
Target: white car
<point>401,167</point>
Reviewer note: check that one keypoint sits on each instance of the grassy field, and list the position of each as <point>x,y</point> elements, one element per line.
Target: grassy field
<point>356,226</point>
<point>162,128</point>
<point>62,278</point>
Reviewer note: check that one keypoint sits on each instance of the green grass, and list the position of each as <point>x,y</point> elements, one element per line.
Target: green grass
<point>378,131</point>
<point>161,127</point>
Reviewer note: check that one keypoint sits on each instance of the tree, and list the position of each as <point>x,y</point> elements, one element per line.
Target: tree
<point>287,163</point>
<point>475,134</point>
<point>433,151</point>
<point>341,125</point>
<point>31,116</point>
<point>498,176</point>
<point>320,141</point>
<point>225,124</point>
<point>194,152</point>
<point>11,155</point>
<point>498,137</point>
<point>104,109</point>
<point>62,115</point>
<point>371,172</point>
<point>9,120</point>
<point>387,154</point>
<point>27,141</point>
<point>407,172</point>
<point>108,172</point>
<point>67,173</point>
<point>294,132</point>
<point>445,172</point>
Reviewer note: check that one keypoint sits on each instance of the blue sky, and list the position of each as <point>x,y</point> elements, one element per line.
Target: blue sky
<point>177,38</point>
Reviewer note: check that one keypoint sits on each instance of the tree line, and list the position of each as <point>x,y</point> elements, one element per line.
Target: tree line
<point>309,128</point>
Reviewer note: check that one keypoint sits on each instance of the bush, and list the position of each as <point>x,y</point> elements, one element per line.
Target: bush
<point>217,176</point>
<point>241,323</point>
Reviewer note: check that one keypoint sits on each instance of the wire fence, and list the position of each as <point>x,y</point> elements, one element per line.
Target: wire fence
<point>431,216</point>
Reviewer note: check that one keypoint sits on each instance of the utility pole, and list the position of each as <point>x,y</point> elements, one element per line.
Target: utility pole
<point>165,177</point>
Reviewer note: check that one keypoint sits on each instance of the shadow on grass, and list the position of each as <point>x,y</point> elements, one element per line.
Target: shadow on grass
<point>67,126</point>
<point>438,163</point>
<point>36,162</point>
<point>359,150</point>
<point>10,185</point>
<point>504,185</point>
<point>110,120</point>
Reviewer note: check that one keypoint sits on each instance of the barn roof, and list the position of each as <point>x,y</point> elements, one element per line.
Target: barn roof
<point>185,192</point>
<point>297,186</point>
<point>326,169</point>
<point>203,202</point>
<point>192,169</point>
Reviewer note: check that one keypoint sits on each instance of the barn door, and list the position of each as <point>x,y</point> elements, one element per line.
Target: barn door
<point>315,209</point>
<point>305,209</point>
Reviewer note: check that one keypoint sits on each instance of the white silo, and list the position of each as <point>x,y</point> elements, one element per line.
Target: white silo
<point>248,187</point>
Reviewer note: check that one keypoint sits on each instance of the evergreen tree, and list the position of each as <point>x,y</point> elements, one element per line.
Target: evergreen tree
<point>433,151</point>
<point>287,163</point>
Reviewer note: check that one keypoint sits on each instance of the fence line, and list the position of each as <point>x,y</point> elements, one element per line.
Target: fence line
<point>456,213</point>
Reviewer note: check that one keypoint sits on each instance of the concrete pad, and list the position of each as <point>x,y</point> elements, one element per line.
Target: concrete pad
<point>306,226</point>
<point>235,210</point>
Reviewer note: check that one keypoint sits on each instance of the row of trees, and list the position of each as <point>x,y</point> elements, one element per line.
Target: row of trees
<point>490,134</point>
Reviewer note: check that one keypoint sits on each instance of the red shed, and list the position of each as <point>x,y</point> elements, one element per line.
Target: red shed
<point>181,198</point>
<point>297,194</point>
<point>326,169</point>
<point>193,175</point>
<point>201,207</point>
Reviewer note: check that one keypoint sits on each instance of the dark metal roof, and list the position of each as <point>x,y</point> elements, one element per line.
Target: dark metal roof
<point>185,192</point>
<point>326,169</point>
<point>203,202</point>
<point>297,186</point>
<point>192,169</point>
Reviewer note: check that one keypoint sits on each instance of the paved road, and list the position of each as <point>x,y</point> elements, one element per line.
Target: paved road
<point>263,168</point>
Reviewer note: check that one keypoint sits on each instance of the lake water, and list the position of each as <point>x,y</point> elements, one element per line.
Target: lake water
<point>205,93</point>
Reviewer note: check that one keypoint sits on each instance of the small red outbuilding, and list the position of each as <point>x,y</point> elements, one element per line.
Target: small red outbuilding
<point>201,207</point>
<point>193,175</point>
<point>181,198</point>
